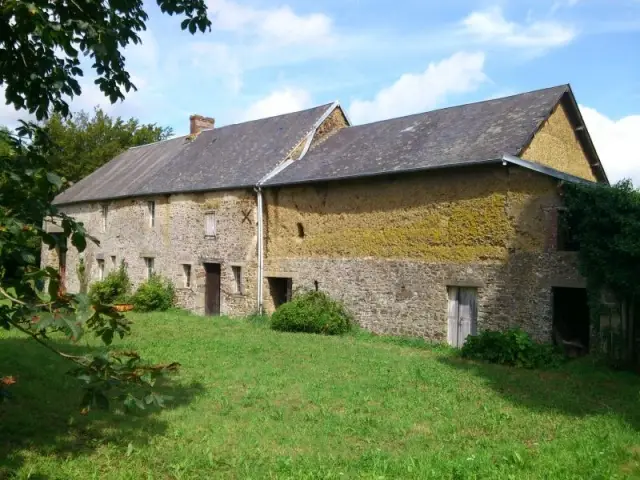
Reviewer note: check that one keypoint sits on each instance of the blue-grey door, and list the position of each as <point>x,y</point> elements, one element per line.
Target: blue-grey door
<point>462,314</point>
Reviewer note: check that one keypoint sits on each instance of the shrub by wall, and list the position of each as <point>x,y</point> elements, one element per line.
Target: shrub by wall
<point>156,294</point>
<point>513,347</point>
<point>115,288</point>
<point>312,312</point>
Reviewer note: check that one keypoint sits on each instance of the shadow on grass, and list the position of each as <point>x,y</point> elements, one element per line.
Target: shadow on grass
<point>43,415</point>
<point>579,388</point>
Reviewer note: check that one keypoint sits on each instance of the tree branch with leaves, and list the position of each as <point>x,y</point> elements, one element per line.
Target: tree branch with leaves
<point>40,45</point>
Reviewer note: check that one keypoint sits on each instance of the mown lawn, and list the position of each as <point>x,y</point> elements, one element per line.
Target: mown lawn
<point>252,403</point>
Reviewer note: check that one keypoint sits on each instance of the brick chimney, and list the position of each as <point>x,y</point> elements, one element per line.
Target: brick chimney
<point>197,123</point>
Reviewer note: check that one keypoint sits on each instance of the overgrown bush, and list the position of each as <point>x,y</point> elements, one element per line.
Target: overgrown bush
<point>312,312</point>
<point>513,347</point>
<point>115,287</point>
<point>156,294</point>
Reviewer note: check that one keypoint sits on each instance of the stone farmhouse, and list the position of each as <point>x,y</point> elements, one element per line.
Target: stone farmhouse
<point>438,224</point>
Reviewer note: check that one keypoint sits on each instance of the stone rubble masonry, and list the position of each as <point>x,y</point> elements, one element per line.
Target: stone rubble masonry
<point>177,238</point>
<point>557,146</point>
<point>388,246</point>
<point>197,123</point>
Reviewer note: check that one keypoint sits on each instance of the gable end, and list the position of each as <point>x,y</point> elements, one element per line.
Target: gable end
<point>562,142</point>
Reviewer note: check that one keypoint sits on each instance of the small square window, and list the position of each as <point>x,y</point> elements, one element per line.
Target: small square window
<point>105,213</point>
<point>186,270</point>
<point>151,213</point>
<point>567,241</point>
<point>210,224</point>
<point>237,279</point>
<point>148,261</point>
<point>100,269</point>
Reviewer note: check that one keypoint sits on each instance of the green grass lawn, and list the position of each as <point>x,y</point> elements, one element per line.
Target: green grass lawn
<point>252,403</point>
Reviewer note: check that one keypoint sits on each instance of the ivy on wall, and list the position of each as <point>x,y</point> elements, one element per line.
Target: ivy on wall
<point>605,221</point>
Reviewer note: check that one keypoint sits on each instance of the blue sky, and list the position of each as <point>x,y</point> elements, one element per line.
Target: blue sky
<point>383,59</point>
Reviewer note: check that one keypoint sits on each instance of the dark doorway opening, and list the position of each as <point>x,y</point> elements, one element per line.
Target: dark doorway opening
<point>212,289</point>
<point>571,320</point>
<point>280,290</point>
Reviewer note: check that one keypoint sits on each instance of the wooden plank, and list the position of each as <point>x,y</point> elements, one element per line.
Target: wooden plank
<point>212,289</point>
<point>467,314</point>
<point>452,315</point>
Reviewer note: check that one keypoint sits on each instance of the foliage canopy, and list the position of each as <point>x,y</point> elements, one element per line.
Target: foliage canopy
<point>606,223</point>
<point>85,142</point>
<point>41,43</point>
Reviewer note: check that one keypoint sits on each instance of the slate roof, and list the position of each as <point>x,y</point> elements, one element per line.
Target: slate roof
<point>462,135</point>
<point>232,156</point>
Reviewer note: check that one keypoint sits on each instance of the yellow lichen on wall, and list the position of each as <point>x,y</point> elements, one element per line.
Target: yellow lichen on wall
<point>454,216</point>
<point>334,122</point>
<point>556,145</point>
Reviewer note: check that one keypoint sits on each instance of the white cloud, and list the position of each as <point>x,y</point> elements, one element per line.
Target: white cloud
<point>490,26</point>
<point>278,102</point>
<point>412,93</point>
<point>9,116</point>
<point>281,25</point>
<point>617,143</point>
<point>217,60</point>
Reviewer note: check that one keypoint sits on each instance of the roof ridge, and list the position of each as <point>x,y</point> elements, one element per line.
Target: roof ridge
<point>566,87</point>
<point>234,124</point>
<point>323,105</point>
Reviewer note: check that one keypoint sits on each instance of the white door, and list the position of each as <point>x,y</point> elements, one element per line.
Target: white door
<point>462,314</point>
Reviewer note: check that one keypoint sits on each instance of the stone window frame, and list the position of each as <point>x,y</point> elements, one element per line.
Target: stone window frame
<point>104,216</point>
<point>101,268</point>
<point>150,267</point>
<point>238,282</point>
<point>562,239</point>
<point>187,278</point>
<point>151,213</point>
<point>213,214</point>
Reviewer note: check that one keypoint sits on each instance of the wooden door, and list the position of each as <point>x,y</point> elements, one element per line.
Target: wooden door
<point>212,289</point>
<point>462,314</point>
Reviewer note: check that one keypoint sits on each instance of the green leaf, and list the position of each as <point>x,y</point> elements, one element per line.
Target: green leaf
<point>54,179</point>
<point>54,286</point>
<point>102,402</point>
<point>79,241</point>
<point>107,337</point>
<point>148,379</point>
<point>84,378</point>
<point>44,321</point>
<point>28,257</point>
<point>87,398</point>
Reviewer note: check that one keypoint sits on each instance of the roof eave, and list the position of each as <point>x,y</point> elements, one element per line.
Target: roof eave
<point>585,138</point>
<point>551,172</point>
<point>154,194</point>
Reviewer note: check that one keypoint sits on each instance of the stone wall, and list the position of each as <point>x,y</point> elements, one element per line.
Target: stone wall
<point>557,146</point>
<point>460,215</point>
<point>177,238</point>
<point>390,247</point>
<point>403,297</point>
